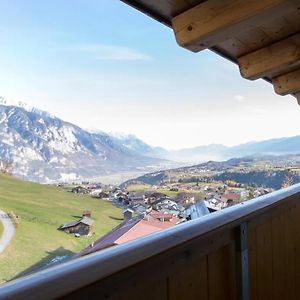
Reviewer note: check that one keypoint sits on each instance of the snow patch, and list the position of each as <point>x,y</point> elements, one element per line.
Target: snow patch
<point>68,176</point>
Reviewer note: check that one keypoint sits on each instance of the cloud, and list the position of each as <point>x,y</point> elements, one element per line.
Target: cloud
<point>240,98</point>
<point>108,52</point>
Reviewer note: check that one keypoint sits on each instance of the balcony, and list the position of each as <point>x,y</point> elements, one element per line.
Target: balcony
<point>248,251</point>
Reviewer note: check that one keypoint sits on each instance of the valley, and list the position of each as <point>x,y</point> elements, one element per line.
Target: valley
<point>43,148</point>
<point>92,182</point>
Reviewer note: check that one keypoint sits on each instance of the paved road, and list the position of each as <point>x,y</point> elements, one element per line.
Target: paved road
<point>8,230</point>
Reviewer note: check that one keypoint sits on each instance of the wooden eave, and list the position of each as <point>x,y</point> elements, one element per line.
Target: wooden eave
<point>261,36</point>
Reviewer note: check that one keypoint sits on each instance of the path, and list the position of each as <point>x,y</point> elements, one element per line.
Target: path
<point>8,230</point>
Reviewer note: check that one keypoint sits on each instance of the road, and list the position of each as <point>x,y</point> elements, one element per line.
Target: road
<point>8,230</point>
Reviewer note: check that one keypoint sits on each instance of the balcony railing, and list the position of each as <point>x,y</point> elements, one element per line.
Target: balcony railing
<point>248,251</point>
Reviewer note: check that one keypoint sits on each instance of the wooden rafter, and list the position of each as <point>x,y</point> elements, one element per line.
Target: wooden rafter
<point>262,36</point>
<point>276,58</point>
<point>297,95</point>
<point>215,21</point>
<point>287,83</point>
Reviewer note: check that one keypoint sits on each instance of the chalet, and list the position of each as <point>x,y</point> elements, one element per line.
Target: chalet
<point>132,229</point>
<point>103,195</point>
<point>128,213</point>
<point>80,190</point>
<point>81,227</point>
<point>87,213</point>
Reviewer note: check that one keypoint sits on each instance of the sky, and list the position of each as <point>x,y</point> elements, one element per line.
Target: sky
<point>102,65</point>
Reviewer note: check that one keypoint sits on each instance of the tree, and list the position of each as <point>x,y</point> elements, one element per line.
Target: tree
<point>288,181</point>
<point>6,167</point>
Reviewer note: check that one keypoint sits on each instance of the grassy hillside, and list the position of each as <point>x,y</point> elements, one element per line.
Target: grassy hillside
<point>41,210</point>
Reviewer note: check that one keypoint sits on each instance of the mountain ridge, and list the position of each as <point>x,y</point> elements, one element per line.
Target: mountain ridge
<point>45,148</point>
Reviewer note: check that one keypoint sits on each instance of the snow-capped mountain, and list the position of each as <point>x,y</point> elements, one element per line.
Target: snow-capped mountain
<point>44,148</point>
<point>138,146</point>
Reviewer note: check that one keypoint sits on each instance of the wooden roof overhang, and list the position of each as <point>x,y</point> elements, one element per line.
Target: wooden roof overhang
<point>261,36</point>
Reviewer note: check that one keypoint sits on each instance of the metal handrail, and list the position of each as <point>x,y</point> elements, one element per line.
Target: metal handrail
<point>65,278</point>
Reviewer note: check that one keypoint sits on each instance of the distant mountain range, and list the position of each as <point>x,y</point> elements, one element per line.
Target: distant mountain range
<point>259,171</point>
<point>45,148</point>
<point>280,146</point>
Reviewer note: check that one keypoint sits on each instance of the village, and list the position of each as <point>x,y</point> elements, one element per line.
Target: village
<point>151,208</point>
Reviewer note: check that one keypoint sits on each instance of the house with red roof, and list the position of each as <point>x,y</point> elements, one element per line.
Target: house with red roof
<point>132,229</point>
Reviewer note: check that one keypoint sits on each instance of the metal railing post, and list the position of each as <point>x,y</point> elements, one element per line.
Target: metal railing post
<point>242,263</point>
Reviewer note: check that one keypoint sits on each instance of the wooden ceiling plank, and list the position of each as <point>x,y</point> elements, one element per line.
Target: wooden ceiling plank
<point>272,59</point>
<point>297,95</point>
<point>255,39</point>
<point>293,19</point>
<point>287,83</point>
<point>278,29</point>
<point>215,21</point>
<point>235,47</point>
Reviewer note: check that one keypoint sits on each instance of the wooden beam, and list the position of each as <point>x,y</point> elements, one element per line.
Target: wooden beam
<point>214,21</point>
<point>270,60</point>
<point>297,95</point>
<point>287,83</point>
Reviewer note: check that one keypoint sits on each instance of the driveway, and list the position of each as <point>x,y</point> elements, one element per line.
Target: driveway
<point>8,230</point>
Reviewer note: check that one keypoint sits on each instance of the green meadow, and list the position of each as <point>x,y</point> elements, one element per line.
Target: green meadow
<point>41,209</point>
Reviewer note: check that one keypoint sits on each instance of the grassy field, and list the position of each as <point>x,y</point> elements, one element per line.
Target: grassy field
<point>146,187</point>
<point>41,210</point>
<point>138,187</point>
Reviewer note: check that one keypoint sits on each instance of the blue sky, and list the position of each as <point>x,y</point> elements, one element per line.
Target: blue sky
<point>102,65</point>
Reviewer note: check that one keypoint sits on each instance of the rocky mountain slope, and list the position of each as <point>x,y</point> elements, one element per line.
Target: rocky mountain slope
<point>44,148</point>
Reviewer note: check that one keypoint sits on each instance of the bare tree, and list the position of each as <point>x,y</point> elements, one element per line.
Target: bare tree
<point>288,181</point>
<point>6,167</point>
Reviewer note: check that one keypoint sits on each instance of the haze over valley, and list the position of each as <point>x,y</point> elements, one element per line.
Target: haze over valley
<point>44,148</point>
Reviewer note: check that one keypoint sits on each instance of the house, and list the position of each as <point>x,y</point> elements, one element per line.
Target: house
<point>214,204</point>
<point>132,229</point>
<point>196,211</point>
<point>138,208</point>
<point>232,196</point>
<point>81,227</point>
<point>152,197</point>
<point>103,195</point>
<point>128,213</point>
<point>167,205</point>
<point>262,191</point>
<point>120,197</point>
<point>80,190</point>
<point>95,193</point>
<point>87,213</point>
<point>185,198</point>
<point>136,200</point>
